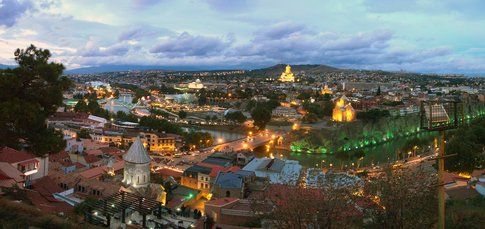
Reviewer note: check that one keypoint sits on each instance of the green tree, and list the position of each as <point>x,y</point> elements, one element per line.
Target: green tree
<point>404,199</point>
<point>236,116</point>
<point>29,94</point>
<point>117,93</point>
<point>261,116</point>
<point>467,143</point>
<point>182,114</point>
<point>81,106</point>
<point>199,139</point>
<point>83,134</point>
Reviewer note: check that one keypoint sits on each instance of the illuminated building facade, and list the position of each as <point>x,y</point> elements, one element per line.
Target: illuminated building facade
<point>197,85</point>
<point>287,75</point>
<point>326,90</point>
<point>343,111</point>
<point>156,142</point>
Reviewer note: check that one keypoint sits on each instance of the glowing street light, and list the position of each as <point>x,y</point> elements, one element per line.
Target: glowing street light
<point>245,145</point>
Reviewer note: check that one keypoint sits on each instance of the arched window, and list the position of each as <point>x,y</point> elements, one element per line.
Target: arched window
<point>228,194</point>
<point>137,179</point>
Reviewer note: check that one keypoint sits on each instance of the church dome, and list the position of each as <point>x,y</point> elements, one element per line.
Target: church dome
<point>137,153</point>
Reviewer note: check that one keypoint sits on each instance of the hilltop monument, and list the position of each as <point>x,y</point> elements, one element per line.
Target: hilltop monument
<point>287,75</point>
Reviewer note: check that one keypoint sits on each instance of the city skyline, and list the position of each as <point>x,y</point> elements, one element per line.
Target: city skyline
<point>421,36</point>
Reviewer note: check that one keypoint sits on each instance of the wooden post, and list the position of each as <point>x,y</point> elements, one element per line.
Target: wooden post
<point>123,215</point>
<point>144,224</point>
<point>159,216</point>
<point>441,187</point>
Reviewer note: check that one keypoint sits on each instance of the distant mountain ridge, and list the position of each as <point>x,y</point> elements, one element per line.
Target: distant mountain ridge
<point>272,70</point>
<point>276,70</point>
<point>3,66</point>
<point>118,68</point>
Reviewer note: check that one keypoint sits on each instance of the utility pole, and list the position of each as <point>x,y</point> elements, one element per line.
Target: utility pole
<point>440,116</point>
<point>441,187</point>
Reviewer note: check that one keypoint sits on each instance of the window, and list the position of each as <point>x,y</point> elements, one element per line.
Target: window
<point>228,194</point>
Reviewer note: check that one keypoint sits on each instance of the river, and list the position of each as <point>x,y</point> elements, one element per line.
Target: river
<point>224,136</point>
<point>373,155</point>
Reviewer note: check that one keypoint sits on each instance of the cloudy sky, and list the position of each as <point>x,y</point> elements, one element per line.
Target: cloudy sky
<point>414,35</point>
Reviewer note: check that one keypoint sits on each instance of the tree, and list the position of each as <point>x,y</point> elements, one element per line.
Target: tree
<point>198,139</point>
<point>117,93</point>
<point>468,142</point>
<point>29,94</point>
<point>404,198</point>
<point>182,114</point>
<point>261,116</point>
<point>378,90</point>
<point>83,134</point>
<point>287,206</point>
<point>236,116</point>
<point>159,125</point>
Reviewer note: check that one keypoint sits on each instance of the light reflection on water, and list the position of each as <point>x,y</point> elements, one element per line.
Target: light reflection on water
<point>373,155</point>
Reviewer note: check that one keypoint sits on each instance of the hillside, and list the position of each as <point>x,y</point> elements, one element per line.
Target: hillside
<point>276,70</point>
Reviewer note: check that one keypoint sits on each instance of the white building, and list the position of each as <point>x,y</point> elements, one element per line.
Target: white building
<point>197,85</point>
<point>137,165</point>
<point>285,112</point>
<point>276,170</point>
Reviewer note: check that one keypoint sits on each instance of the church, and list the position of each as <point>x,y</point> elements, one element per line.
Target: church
<point>137,165</point>
<point>343,111</point>
<point>287,75</point>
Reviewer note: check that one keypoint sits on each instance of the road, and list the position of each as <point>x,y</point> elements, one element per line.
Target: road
<point>249,142</point>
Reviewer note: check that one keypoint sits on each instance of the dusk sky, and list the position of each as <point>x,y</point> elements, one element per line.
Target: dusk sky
<point>413,35</point>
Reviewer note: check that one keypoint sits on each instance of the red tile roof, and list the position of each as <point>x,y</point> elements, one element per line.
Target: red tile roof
<point>170,172</point>
<point>10,155</point>
<point>221,201</point>
<point>95,152</point>
<point>98,171</point>
<point>478,173</point>
<point>91,158</point>
<point>59,156</point>
<point>218,169</point>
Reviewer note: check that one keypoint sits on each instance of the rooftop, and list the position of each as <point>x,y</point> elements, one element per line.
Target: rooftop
<point>229,180</point>
<point>11,156</point>
<point>137,153</point>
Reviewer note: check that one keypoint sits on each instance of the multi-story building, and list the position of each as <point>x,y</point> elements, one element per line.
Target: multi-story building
<point>197,177</point>
<point>155,142</point>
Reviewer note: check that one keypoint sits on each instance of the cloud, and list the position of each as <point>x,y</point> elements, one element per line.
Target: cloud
<point>188,45</point>
<point>12,10</point>
<point>385,6</point>
<point>229,5</point>
<point>92,49</point>
<point>142,32</point>
<point>145,3</point>
<point>290,43</point>
<point>280,30</point>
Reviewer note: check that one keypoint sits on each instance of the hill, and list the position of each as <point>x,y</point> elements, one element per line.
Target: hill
<point>276,70</point>
<point>2,66</point>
